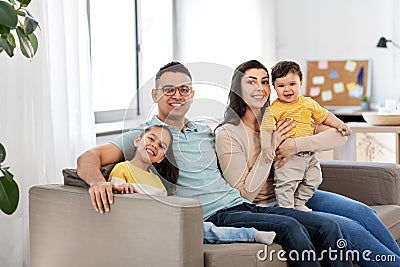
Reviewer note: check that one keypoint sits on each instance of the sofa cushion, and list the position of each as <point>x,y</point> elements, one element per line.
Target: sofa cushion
<point>240,254</point>
<point>71,176</point>
<point>390,216</point>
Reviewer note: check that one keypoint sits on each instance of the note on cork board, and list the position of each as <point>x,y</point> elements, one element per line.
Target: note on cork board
<point>339,83</point>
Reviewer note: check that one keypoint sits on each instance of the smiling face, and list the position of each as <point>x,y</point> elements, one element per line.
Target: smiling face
<point>172,107</point>
<point>153,144</point>
<point>288,88</point>
<point>255,88</point>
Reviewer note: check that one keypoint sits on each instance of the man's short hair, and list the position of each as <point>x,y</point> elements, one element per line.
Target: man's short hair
<point>174,66</point>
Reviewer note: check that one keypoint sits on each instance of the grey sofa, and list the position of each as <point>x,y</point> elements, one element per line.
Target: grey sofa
<point>142,230</point>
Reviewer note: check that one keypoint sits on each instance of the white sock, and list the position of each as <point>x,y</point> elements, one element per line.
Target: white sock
<point>264,237</point>
<point>303,208</point>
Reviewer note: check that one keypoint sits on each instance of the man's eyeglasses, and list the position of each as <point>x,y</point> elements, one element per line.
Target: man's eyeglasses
<point>169,90</point>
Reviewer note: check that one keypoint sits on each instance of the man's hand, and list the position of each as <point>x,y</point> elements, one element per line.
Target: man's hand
<point>101,195</point>
<point>285,151</point>
<point>89,165</point>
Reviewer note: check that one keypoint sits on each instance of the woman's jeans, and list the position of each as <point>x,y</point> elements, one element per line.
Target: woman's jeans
<point>296,231</point>
<point>360,226</point>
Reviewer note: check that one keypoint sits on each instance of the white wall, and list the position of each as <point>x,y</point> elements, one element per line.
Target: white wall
<point>342,29</point>
<point>226,32</point>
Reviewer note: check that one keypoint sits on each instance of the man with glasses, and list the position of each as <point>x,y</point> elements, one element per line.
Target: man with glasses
<point>173,94</point>
<point>199,176</point>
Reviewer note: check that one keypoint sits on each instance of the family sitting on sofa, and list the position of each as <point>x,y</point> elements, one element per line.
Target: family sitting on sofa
<point>244,196</point>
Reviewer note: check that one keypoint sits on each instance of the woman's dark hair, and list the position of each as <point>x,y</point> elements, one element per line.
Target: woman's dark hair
<point>283,68</point>
<point>236,106</point>
<point>167,168</point>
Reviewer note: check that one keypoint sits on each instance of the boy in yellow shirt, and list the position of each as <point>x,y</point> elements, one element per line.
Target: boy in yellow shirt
<point>297,180</point>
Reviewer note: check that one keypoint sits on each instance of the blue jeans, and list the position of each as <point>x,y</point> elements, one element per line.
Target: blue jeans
<point>296,231</point>
<point>223,235</point>
<point>360,226</point>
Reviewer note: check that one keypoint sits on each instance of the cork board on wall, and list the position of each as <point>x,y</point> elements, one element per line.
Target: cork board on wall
<point>340,83</point>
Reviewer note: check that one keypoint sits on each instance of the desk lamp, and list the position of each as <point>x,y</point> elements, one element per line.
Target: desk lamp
<point>383,41</point>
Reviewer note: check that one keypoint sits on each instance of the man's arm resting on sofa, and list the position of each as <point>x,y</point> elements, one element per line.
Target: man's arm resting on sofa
<point>89,164</point>
<point>368,182</point>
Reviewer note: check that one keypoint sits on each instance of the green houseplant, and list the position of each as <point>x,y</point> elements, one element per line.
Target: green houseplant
<point>9,192</point>
<point>17,21</point>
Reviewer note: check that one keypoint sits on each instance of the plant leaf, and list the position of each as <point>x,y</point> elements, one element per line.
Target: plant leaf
<point>24,43</point>
<point>34,42</point>
<point>24,2</point>
<point>6,173</point>
<point>20,13</point>
<point>4,29</point>
<point>1,50</point>
<point>9,193</point>
<point>29,46</point>
<point>7,46</point>
<point>11,39</point>
<point>2,153</point>
<point>12,2</point>
<point>30,25</point>
<point>23,50</point>
<point>8,15</point>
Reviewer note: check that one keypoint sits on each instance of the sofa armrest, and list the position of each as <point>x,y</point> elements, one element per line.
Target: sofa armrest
<point>368,182</point>
<point>140,230</point>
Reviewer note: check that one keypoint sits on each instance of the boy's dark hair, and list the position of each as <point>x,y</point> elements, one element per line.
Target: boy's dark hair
<point>283,68</point>
<point>174,66</point>
<point>167,168</point>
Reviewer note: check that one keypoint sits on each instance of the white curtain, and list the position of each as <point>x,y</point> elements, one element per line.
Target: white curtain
<point>46,116</point>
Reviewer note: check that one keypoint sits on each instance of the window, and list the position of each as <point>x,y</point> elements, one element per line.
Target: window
<point>117,68</point>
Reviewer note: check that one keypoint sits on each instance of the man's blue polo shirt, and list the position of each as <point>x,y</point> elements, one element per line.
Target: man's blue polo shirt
<point>199,176</point>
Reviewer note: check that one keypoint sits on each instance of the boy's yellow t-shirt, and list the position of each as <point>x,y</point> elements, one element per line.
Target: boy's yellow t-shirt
<point>305,113</point>
<point>143,181</point>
